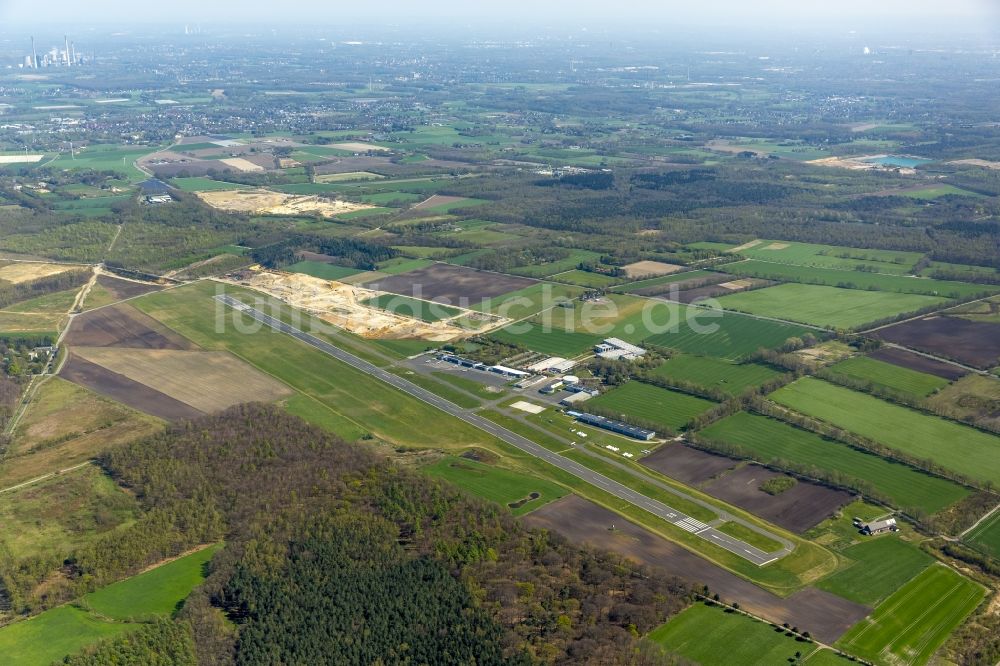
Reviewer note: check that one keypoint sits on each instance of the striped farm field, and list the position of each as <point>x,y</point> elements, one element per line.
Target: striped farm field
<point>986,535</point>
<point>851,279</point>
<point>829,307</point>
<point>956,447</point>
<point>897,378</point>
<point>731,378</point>
<point>771,441</point>
<point>909,626</point>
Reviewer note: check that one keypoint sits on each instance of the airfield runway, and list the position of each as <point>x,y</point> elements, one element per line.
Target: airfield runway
<point>658,509</point>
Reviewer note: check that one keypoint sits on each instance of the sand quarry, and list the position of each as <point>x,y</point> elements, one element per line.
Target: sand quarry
<point>340,304</point>
<point>266,202</point>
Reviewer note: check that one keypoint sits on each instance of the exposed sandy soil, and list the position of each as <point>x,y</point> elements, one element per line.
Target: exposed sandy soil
<point>122,326</point>
<point>359,147</point>
<point>776,246</point>
<point>650,269</point>
<point>980,163</point>
<point>20,159</point>
<point>340,304</point>
<point>265,202</point>
<point>745,246</point>
<point>737,284</point>
<point>824,615</point>
<point>207,381</point>
<point>241,164</point>
<point>21,271</point>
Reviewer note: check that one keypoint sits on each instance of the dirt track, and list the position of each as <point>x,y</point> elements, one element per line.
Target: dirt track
<point>824,615</point>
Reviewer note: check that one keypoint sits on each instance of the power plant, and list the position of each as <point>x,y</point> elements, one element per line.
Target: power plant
<point>54,57</point>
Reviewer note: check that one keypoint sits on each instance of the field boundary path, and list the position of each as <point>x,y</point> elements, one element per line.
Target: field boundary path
<point>654,507</point>
<point>979,522</point>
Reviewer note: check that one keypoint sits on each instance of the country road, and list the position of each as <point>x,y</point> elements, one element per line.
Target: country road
<point>658,509</point>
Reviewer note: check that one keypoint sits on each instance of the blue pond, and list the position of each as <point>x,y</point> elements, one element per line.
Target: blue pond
<point>898,161</point>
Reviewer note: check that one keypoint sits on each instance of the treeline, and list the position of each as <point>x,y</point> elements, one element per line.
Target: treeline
<point>161,642</point>
<point>352,252</point>
<point>23,291</point>
<point>505,259</point>
<point>333,555</point>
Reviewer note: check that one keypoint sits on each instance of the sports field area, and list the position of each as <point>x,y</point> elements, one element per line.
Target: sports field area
<point>962,449</point>
<point>828,307</point>
<point>671,409</point>
<point>517,491</point>
<point>709,635</point>
<point>727,335</point>
<point>732,378</point>
<point>772,441</point>
<point>909,626</point>
<point>894,377</point>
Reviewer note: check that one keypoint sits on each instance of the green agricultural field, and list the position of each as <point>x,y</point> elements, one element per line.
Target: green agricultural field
<point>935,191</point>
<point>200,184</point>
<point>663,279</point>
<point>729,336</point>
<point>322,270</point>
<point>732,378</point>
<point>586,279</point>
<point>402,265</point>
<point>712,637</point>
<point>880,566</point>
<point>156,592</point>
<point>366,212</point>
<point>465,202</point>
<point>986,535</point>
<point>575,258</point>
<point>829,307</point>
<point>53,634</point>
<point>390,198</point>
<point>833,256</point>
<point>904,380</point>
<point>530,300</point>
<point>855,279</point>
<point>106,158</point>
<point>771,441</point>
<point>412,307</point>
<point>497,484</point>
<point>959,448</point>
<point>553,341</point>
<point>670,409</point>
<point>909,626</point>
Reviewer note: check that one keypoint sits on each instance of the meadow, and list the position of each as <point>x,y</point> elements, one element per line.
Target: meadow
<point>322,270</point>
<point>833,256</point>
<point>956,447</point>
<point>663,279</point>
<point>708,635</point>
<point>904,380</point>
<point>65,630</point>
<point>731,378</point>
<point>828,307</point>
<point>909,626</point>
<point>855,279</point>
<point>530,300</point>
<point>771,440</point>
<point>553,341</point>
<point>575,258</point>
<point>497,484</point>
<point>986,535</point>
<point>586,279</point>
<point>671,409</point>
<point>880,566</point>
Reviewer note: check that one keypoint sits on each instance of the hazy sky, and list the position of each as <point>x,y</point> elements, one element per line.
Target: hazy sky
<point>813,15</point>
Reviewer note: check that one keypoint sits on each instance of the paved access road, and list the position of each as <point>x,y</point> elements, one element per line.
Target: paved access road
<point>619,490</point>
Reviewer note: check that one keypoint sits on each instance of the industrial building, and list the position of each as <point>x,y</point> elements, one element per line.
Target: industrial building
<point>618,350</point>
<point>614,426</point>
<point>553,364</point>
<point>880,526</point>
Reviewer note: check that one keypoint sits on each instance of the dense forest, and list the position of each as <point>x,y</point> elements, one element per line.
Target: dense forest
<point>335,555</point>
